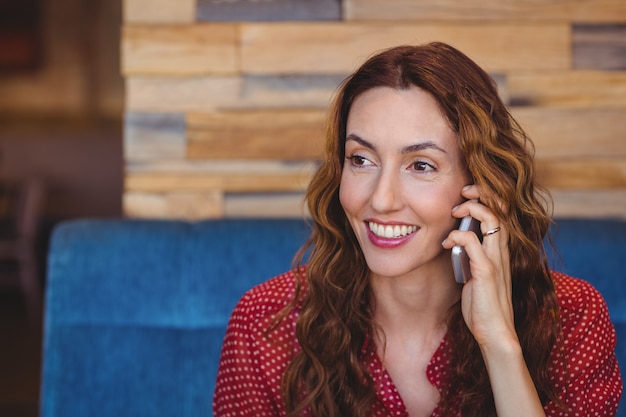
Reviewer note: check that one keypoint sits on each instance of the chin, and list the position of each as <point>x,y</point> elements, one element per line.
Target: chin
<point>389,268</point>
<point>398,266</point>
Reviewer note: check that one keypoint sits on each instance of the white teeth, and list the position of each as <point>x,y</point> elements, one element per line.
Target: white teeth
<point>391,231</point>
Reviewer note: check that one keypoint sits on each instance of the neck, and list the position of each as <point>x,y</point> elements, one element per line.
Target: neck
<point>413,304</point>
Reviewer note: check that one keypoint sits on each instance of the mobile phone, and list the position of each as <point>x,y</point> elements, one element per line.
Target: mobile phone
<point>460,260</point>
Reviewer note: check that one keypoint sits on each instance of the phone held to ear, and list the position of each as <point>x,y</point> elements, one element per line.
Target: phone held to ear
<point>460,260</point>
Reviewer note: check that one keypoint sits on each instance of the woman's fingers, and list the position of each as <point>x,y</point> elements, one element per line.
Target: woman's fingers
<point>486,301</point>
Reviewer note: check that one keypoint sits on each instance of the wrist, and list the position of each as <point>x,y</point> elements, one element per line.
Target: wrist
<point>502,350</point>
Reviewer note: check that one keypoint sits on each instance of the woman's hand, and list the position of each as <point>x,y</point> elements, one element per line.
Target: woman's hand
<point>487,297</point>
<point>487,308</point>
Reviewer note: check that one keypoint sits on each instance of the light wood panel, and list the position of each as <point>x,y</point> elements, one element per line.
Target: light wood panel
<point>574,132</point>
<point>181,94</point>
<point>179,49</point>
<point>240,182</point>
<point>582,173</point>
<point>481,10</point>
<point>284,134</point>
<point>175,204</point>
<point>553,173</point>
<point>222,167</point>
<point>159,11</point>
<point>196,206</point>
<point>265,205</point>
<point>288,134</point>
<point>568,88</point>
<point>339,48</point>
<point>590,203</point>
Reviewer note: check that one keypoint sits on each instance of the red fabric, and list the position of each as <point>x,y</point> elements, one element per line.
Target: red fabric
<point>251,366</point>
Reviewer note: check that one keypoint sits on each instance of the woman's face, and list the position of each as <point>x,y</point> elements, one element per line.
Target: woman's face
<point>402,175</point>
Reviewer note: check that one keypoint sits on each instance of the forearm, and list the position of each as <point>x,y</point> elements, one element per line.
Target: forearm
<point>513,388</point>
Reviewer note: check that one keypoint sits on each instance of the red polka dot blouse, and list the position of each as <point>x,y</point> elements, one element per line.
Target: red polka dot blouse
<point>251,365</point>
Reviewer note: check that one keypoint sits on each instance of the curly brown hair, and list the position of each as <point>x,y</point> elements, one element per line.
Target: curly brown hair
<point>328,376</point>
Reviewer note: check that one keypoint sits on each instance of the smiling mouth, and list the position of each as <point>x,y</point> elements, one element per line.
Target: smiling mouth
<point>390,232</point>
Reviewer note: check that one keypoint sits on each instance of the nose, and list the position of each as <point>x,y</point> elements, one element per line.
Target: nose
<point>387,194</point>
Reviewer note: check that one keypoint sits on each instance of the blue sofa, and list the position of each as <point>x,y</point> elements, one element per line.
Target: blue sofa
<point>136,309</point>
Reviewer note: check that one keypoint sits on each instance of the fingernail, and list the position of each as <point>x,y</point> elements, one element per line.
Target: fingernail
<point>467,187</point>
<point>444,242</point>
<point>455,207</point>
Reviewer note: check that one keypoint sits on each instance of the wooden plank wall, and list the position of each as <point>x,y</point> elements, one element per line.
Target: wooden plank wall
<point>226,100</point>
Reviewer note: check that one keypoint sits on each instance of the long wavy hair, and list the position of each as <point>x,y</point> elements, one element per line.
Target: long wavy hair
<point>328,376</point>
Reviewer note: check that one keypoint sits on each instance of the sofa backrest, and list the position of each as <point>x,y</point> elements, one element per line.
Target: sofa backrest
<point>136,310</point>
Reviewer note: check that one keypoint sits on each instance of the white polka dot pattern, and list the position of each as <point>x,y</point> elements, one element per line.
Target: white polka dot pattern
<point>585,372</point>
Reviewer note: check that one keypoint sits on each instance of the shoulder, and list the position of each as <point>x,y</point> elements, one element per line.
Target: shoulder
<point>582,307</point>
<point>260,341</point>
<point>584,367</point>
<point>577,295</point>
<point>266,300</point>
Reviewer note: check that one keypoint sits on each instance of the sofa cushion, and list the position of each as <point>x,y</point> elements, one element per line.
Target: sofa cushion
<point>136,310</point>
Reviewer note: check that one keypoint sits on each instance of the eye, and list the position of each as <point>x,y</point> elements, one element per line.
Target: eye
<point>422,166</point>
<point>359,161</point>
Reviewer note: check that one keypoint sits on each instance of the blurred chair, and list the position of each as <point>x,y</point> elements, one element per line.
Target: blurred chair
<point>23,203</point>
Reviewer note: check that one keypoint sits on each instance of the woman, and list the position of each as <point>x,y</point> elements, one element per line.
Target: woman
<point>375,324</point>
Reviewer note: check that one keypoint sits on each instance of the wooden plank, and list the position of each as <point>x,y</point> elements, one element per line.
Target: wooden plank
<point>486,10</point>
<point>154,136</point>
<point>280,91</point>
<point>330,48</point>
<point>582,173</point>
<point>220,167</point>
<point>239,182</point>
<point>577,174</point>
<point>567,203</point>
<point>503,89</point>
<point>268,10</point>
<point>574,132</point>
<point>179,49</point>
<point>589,203</point>
<point>282,205</point>
<point>248,92</point>
<point>181,94</point>
<point>188,94</point>
<point>159,11</point>
<point>600,47</point>
<point>288,134</point>
<point>568,88</point>
<point>174,205</point>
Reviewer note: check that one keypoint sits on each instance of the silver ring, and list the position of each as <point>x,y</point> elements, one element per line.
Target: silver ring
<point>492,231</point>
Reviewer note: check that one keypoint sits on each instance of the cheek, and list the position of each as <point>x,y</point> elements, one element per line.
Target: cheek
<point>352,193</point>
<point>346,197</point>
<point>436,203</point>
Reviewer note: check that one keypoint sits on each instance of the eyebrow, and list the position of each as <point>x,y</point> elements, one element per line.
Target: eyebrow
<point>406,150</point>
